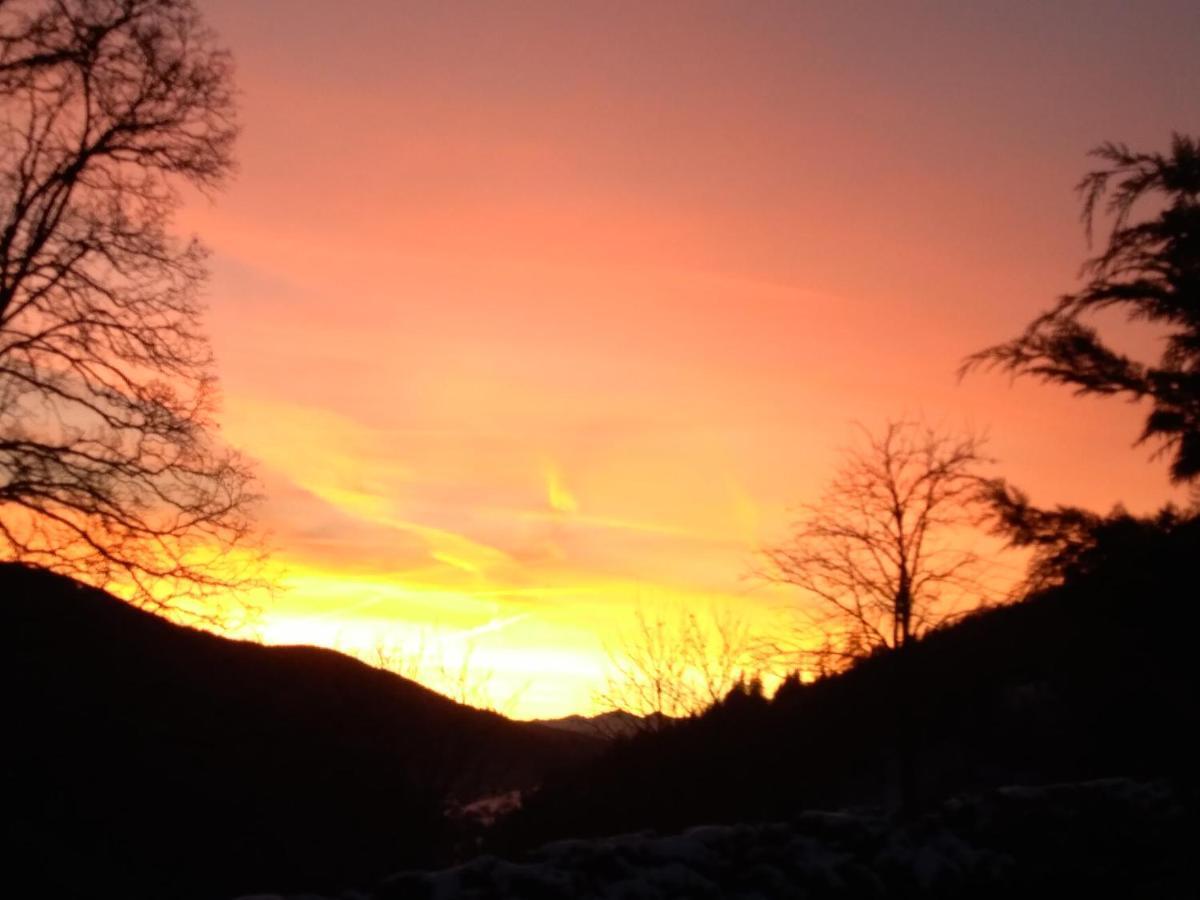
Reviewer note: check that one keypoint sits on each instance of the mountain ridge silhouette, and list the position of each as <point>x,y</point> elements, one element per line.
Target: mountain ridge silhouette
<point>170,761</point>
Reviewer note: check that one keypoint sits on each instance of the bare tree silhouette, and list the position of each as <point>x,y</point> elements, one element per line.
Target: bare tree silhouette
<point>1150,270</point>
<point>109,467</point>
<point>880,558</point>
<point>426,660</point>
<point>883,558</point>
<point>672,664</point>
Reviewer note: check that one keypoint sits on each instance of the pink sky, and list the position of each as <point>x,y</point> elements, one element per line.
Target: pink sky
<point>532,312</point>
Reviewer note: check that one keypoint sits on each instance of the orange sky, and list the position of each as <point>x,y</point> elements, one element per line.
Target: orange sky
<point>532,312</point>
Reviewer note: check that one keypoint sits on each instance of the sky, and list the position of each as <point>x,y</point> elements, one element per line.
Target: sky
<point>535,313</point>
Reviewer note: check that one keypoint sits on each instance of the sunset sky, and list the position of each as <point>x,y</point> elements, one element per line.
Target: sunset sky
<point>533,312</point>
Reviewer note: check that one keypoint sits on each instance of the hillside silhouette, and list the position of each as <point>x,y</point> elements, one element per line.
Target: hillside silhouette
<point>157,760</point>
<point>1090,678</point>
<point>162,761</point>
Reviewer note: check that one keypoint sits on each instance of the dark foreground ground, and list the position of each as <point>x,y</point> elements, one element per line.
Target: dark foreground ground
<point>1107,838</point>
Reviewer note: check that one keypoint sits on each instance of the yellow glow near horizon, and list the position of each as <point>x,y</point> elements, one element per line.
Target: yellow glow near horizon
<point>535,663</point>
<point>545,315</point>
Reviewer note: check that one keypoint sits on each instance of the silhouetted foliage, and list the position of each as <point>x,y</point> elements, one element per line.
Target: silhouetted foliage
<point>744,694</point>
<point>1090,677</point>
<point>1150,270</point>
<point>1072,544</point>
<point>109,469</point>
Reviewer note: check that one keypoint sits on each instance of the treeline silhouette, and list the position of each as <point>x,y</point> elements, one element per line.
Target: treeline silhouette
<point>1091,676</point>
<point>145,759</point>
<point>152,760</point>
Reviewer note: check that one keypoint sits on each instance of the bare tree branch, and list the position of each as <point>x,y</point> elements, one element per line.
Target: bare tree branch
<point>880,559</point>
<point>110,468</point>
<point>674,664</point>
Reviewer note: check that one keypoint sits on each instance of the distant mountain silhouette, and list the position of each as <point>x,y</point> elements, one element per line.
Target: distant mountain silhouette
<point>608,725</point>
<point>148,759</point>
<point>1091,679</point>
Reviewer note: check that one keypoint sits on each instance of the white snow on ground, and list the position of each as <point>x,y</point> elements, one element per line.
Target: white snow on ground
<point>1019,837</point>
<point>486,811</point>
